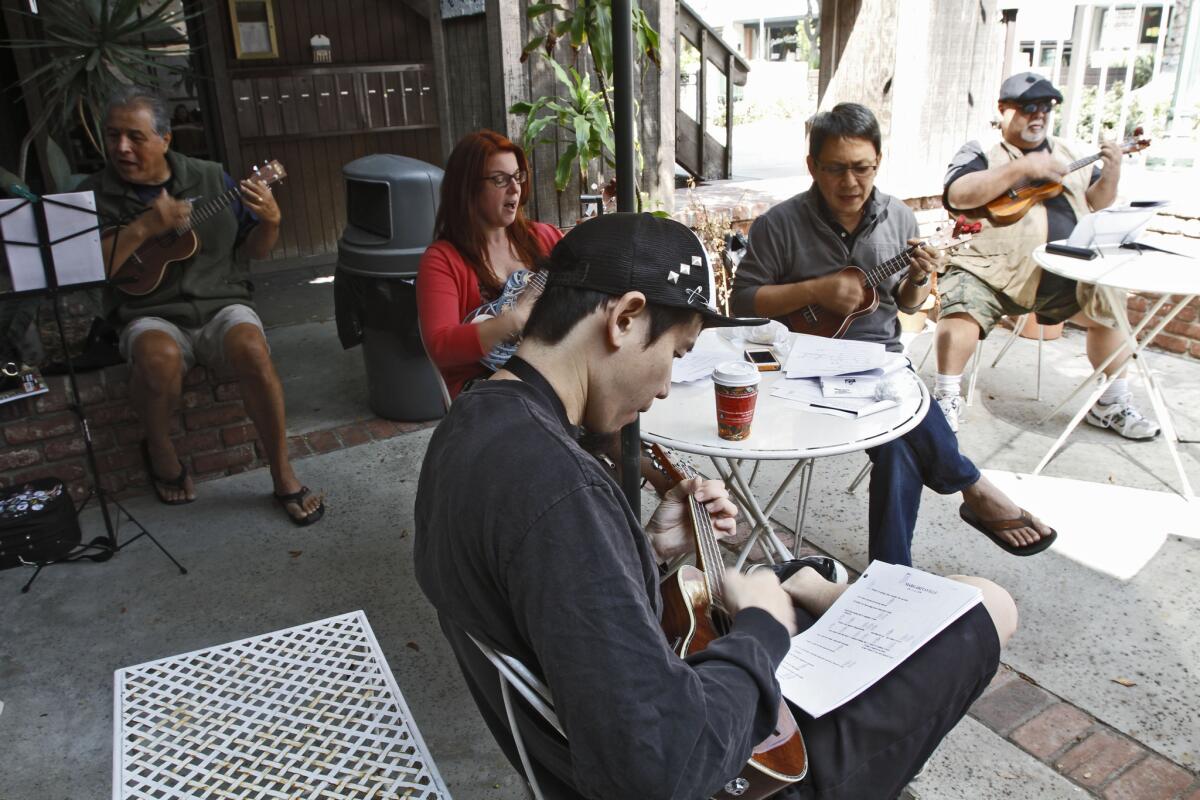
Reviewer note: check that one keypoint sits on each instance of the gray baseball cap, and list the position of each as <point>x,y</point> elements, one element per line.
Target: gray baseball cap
<point>1026,86</point>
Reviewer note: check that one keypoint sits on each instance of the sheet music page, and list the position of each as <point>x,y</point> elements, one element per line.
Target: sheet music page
<point>814,356</point>
<point>78,259</point>
<point>882,619</point>
<point>24,262</point>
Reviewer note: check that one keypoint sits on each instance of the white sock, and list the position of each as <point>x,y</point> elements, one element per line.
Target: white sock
<point>1115,391</point>
<point>948,385</point>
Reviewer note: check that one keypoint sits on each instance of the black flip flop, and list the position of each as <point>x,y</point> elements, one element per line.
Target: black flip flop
<point>178,482</point>
<point>298,498</point>
<point>989,528</point>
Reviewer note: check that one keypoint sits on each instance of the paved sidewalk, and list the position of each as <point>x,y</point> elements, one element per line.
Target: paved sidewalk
<point>1055,723</point>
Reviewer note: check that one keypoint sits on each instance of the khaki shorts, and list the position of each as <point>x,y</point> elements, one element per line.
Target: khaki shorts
<point>961,292</point>
<point>203,345</point>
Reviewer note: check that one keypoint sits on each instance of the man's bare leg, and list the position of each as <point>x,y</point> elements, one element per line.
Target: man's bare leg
<point>154,390</point>
<point>247,352</point>
<point>955,339</point>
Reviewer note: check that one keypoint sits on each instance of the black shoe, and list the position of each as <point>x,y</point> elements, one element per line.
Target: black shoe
<point>828,568</point>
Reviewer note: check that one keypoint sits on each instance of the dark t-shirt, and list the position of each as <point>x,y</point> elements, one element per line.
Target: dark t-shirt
<point>525,542</point>
<point>1060,217</point>
<point>246,218</point>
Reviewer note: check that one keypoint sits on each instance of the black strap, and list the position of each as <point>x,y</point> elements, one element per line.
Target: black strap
<point>526,372</point>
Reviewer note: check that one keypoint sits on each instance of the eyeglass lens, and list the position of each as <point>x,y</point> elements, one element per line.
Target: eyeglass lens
<point>501,180</point>
<point>1033,108</point>
<point>858,170</point>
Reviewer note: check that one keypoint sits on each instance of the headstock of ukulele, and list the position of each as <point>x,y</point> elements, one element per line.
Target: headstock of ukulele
<point>952,235</point>
<point>270,172</point>
<point>1135,143</point>
<point>674,469</point>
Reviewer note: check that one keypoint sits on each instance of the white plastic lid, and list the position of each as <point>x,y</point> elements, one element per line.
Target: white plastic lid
<point>736,373</point>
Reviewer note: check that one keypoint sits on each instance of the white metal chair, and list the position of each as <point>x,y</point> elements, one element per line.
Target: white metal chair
<point>441,382</point>
<point>515,675</point>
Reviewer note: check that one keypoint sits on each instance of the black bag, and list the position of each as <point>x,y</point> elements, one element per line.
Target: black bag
<point>37,523</point>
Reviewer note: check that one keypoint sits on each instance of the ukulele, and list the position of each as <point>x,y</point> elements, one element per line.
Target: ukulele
<point>693,616</point>
<point>817,320</point>
<point>145,269</point>
<point>1016,202</point>
<point>536,282</point>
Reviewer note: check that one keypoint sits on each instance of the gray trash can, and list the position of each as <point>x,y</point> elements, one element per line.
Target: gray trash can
<point>391,202</point>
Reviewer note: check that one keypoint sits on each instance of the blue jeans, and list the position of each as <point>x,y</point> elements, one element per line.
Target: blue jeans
<point>925,456</point>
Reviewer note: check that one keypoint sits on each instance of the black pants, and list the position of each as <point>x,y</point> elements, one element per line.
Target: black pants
<point>870,748</point>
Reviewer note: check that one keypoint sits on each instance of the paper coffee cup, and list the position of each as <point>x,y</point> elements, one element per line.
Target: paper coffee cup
<point>736,387</point>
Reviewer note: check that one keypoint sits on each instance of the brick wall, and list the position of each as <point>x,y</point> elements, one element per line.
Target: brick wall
<point>1181,336</point>
<point>41,435</point>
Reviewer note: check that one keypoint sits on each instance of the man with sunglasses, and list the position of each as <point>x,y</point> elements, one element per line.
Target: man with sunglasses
<point>796,254</point>
<point>997,275</point>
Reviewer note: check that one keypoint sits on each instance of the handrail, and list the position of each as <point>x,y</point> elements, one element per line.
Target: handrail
<point>696,150</point>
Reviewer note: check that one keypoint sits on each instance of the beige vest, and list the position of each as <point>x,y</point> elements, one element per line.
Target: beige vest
<point>1002,256</point>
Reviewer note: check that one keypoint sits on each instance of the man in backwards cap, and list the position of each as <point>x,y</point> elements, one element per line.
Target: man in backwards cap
<point>997,275</point>
<point>525,543</point>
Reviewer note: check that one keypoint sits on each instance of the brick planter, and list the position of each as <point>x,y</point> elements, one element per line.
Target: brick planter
<point>213,435</point>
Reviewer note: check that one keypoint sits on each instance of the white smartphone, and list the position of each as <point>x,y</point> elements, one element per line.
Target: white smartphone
<point>764,358</point>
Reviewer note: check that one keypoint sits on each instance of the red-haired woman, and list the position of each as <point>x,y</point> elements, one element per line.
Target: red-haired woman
<point>483,243</point>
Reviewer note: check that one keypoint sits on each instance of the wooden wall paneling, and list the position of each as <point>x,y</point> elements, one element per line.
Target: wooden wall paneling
<point>293,191</point>
<point>408,95</point>
<point>315,195</point>
<point>352,17</point>
<point>308,199</point>
<point>425,92</point>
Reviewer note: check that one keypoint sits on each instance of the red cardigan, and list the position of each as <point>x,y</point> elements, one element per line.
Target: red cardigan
<point>448,290</point>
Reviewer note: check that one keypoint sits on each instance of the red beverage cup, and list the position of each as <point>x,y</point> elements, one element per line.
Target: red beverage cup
<point>736,385</point>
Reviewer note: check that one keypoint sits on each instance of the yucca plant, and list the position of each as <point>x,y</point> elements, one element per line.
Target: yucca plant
<point>89,48</point>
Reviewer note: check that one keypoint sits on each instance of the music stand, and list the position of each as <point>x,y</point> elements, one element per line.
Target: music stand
<point>104,547</point>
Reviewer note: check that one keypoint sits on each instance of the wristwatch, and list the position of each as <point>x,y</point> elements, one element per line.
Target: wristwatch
<point>923,282</point>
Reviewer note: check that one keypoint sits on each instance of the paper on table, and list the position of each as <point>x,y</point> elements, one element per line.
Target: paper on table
<point>808,392</point>
<point>814,356</point>
<point>698,365</point>
<point>882,619</point>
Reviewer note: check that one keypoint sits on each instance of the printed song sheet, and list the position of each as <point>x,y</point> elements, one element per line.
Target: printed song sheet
<point>882,619</point>
<point>698,365</point>
<point>814,356</point>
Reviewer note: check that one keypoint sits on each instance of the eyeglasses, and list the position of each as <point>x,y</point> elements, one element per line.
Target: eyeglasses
<point>1029,109</point>
<point>502,180</point>
<point>858,170</point>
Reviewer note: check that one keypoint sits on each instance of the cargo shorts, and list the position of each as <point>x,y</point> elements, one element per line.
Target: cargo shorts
<point>961,292</point>
<point>203,345</point>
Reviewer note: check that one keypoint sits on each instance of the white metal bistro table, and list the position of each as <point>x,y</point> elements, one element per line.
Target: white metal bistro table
<point>1114,272</point>
<point>783,430</point>
<point>310,711</point>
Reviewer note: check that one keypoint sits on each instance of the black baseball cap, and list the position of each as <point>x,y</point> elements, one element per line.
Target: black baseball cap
<point>657,256</point>
<point>1028,86</point>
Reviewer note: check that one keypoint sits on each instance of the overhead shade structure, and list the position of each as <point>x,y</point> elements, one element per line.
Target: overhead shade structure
<point>622,27</point>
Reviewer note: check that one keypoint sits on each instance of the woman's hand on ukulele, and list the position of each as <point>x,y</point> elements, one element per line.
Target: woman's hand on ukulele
<point>670,528</point>
<point>1043,166</point>
<point>842,292</point>
<point>166,213</point>
<point>259,198</point>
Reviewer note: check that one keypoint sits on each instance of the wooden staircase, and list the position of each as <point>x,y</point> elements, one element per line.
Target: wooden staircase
<point>705,152</point>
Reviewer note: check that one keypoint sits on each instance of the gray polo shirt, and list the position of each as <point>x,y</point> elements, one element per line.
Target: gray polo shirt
<point>798,240</point>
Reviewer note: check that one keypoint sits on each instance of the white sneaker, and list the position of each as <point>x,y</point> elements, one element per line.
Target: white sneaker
<point>952,406</point>
<point>1123,417</point>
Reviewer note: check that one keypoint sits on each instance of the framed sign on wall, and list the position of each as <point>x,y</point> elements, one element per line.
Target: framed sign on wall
<point>254,28</point>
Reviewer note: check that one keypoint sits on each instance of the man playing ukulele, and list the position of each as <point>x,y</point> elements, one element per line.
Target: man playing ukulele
<point>997,276</point>
<point>524,542</point>
<point>201,312</point>
<point>796,252</point>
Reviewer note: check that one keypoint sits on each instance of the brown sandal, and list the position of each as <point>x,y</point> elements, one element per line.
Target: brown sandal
<point>298,498</point>
<point>989,527</point>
